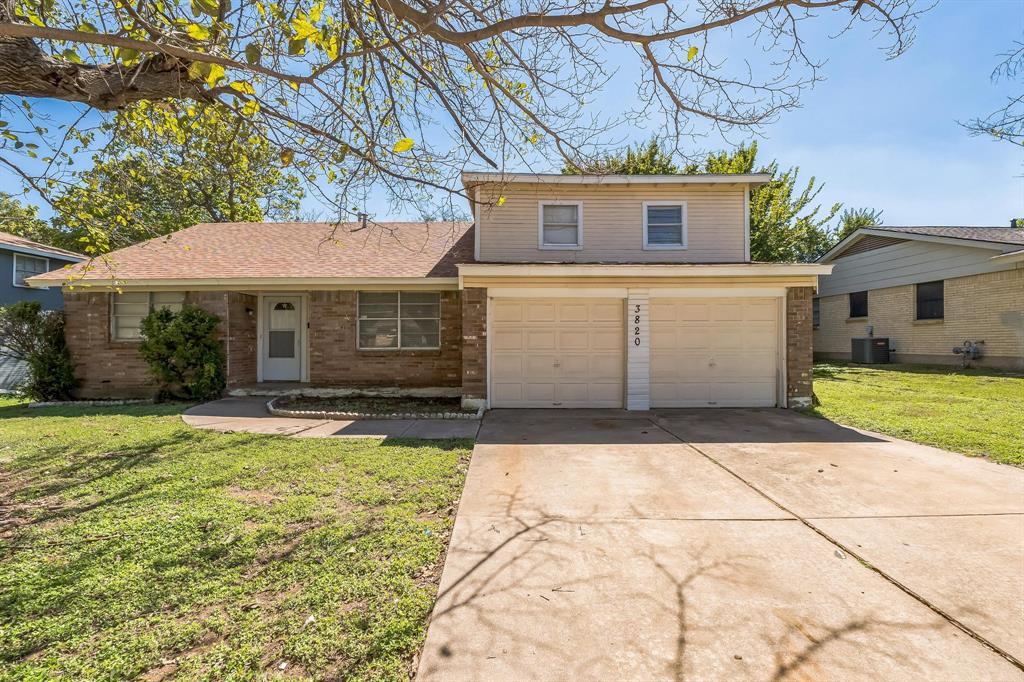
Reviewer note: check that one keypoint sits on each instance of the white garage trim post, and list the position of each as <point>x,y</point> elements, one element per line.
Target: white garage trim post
<point>638,350</point>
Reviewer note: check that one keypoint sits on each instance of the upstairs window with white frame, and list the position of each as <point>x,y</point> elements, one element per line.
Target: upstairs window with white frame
<point>561,225</point>
<point>129,308</point>
<point>664,224</point>
<point>28,266</point>
<point>389,320</point>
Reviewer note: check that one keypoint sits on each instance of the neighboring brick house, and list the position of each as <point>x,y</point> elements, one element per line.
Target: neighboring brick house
<point>567,291</point>
<point>20,259</point>
<point>928,290</point>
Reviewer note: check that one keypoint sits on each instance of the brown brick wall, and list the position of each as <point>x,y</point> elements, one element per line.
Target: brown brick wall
<point>799,352</point>
<point>334,359</point>
<point>984,307</point>
<point>474,344</point>
<point>114,369</point>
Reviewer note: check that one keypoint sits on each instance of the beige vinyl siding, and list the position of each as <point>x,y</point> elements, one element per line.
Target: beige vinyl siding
<point>907,263</point>
<point>987,307</point>
<point>613,223</point>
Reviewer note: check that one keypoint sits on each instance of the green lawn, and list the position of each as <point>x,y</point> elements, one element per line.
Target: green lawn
<point>976,412</point>
<point>134,546</point>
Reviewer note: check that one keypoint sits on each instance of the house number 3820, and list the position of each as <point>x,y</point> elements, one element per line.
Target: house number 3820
<point>636,325</point>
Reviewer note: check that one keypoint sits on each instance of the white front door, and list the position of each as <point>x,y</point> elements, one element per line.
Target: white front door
<point>282,338</point>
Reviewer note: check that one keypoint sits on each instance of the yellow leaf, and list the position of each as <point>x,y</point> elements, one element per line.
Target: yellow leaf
<point>216,73</point>
<point>501,201</point>
<point>691,54</point>
<point>293,85</point>
<point>303,29</point>
<point>244,87</point>
<point>197,32</point>
<point>250,108</point>
<point>286,156</point>
<point>403,145</point>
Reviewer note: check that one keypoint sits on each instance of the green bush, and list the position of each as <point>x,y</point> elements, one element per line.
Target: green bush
<point>183,353</point>
<point>36,336</point>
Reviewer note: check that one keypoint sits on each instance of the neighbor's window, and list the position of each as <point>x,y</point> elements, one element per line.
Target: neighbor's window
<point>859,304</point>
<point>816,312</point>
<point>561,225</point>
<point>664,225</point>
<point>399,319</point>
<point>129,307</point>
<point>930,301</point>
<point>28,266</point>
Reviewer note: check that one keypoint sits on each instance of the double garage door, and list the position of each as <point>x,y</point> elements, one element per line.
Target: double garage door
<point>704,352</point>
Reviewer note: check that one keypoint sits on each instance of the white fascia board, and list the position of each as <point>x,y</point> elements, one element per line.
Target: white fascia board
<point>640,270</point>
<point>41,253</point>
<point>1010,257</point>
<point>265,283</point>
<point>558,178</point>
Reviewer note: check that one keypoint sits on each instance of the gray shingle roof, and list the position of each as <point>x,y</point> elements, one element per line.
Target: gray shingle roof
<point>1002,235</point>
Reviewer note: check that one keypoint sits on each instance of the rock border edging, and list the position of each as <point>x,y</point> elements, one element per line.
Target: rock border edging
<point>321,414</point>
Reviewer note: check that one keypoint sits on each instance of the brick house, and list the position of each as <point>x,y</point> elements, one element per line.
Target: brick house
<point>565,291</point>
<point>928,290</point>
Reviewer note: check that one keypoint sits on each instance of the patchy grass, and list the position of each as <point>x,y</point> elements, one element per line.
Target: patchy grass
<point>374,405</point>
<point>976,412</point>
<point>132,546</point>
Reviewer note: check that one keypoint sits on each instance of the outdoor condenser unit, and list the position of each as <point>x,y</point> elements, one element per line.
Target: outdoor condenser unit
<point>870,350</point>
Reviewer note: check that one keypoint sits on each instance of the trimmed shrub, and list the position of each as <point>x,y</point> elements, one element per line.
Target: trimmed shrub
<point>183,353</point>
<point>36,336</point>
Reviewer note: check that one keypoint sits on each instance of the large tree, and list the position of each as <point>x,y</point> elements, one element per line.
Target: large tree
<point>786,224</point>
<point>20,218</point>
<point>168,166</point>
<point>404,94</point>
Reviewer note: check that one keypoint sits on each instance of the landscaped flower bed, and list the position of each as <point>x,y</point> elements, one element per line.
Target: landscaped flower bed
<point>371,407</point>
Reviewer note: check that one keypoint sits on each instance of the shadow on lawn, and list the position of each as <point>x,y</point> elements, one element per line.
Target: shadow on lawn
<point>832,371</point>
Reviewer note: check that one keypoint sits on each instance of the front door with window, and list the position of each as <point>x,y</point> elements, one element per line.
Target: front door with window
<point>282,338</point>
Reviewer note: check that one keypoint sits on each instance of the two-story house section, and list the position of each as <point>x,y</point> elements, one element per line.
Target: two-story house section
<point>566,291</point>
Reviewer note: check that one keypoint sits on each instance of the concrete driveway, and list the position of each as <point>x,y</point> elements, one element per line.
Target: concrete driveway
<point>714,544</point>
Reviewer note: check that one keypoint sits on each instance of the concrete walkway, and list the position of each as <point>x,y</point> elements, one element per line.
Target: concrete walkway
<point>726,544</point>
<point>250,415</point>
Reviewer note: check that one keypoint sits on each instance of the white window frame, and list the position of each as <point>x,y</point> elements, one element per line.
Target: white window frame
<point>683,233</point>
<point>14,270</point>
<point>359,321</point>
<point>579,226</point>
<point>149,296</point>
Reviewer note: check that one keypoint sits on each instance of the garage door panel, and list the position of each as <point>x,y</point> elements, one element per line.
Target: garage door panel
<point>571,354</point>
<point>714,352</point>
<point>506,392</point>
<point>507,339</point>
<point>506,365</point>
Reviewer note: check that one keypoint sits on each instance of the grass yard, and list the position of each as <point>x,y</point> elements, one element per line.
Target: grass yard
<point>976,412</point>
<point>132,546</point>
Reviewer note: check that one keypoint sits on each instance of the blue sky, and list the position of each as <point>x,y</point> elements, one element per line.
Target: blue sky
<point>882,133</point>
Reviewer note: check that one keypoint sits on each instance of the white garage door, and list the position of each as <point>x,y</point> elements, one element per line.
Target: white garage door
<point>556,352</point>
<point>714,352</point>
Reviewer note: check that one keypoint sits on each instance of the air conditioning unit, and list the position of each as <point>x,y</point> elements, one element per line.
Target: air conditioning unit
<point>870,350</point>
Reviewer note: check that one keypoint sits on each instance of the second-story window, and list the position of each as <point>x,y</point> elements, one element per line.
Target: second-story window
<point>561,225</point>
<point>664,225</point>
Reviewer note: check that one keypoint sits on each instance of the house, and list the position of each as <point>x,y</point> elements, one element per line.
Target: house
<point>565,291</point>
<point>20,259</point>
<point>928,290</point>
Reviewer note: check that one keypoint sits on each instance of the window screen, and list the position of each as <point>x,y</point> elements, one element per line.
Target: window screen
<point>129,307</point>
<point>859,304</point>
<point>28,266</point>
<point>399,319</point>
<point>560,225</point>
<point>930,301</point>
<point>665,225</point>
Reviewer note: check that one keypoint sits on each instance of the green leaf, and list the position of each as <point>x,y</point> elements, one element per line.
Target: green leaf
<point>208,7</point>
<point>253,53</point>
<point>403,145</point>
<point>197,32</point>
<point>296,46</point>
<point>72,56</point>
<point>286,156</point>
<point>86,27</point>
<point>691,54</point>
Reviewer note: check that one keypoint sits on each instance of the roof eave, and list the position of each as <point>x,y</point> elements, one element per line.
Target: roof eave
<point>235,283</point>
<point>472,178</point>
<point>852,239</point>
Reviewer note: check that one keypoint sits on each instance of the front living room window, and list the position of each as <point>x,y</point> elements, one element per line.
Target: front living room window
<point>399,319</point>
<point>931,301</point>
<point>859,304</point>
<point>561,225</point>
<point>129,307</point>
